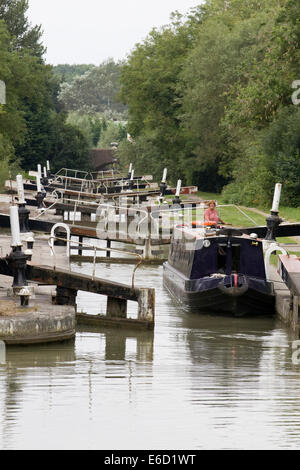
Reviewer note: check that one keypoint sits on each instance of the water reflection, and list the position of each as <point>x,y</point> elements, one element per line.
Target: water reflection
<point>39,371</point>
<point>20,367</point>
<point>121,345</point>
<point>240,343</point>
<point>2,352</point>
<point>197,382</point>
<point>246,368</point>
<point>44,355</point>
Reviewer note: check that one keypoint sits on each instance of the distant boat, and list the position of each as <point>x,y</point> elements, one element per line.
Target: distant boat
<point>218,270</point>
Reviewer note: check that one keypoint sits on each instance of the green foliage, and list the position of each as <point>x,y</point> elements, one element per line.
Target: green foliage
<point>145,158</point>
<point>253,182</point>
<point>209,96</point>
<point>96,91</point>
<point>82,122</point>
<point>142,154</point>
<point>150,88</point>
<point>24,35</point>
<point>114,132</point>
<point>29,129</point>
<point>96,126</point>
<point>70,148</point>
<point>214,64</point>
<point>67,72</point>
<point>97,131</point>
<point>281,145</point>
<point>8,163</point>
<point>259,116</point>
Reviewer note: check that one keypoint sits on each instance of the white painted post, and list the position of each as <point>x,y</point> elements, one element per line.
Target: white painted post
<point>45,172</point>
<point>130,168</point>
<point>48,165</point>
<point>132,175</point>
<point>276,199</point>
<point>178,188</point>
<point>39,169</point>
<point>15,226</point>
<point>164,178</point>
<point>20,187</point>
<point>38,183</point>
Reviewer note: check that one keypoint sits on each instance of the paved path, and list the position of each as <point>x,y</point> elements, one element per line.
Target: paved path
<point>41,251</point>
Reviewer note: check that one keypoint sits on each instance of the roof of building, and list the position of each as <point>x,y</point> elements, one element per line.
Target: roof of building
<point>102,158</point>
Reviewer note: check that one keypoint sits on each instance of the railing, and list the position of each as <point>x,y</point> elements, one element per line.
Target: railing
<point>92,175</point>
<point>74,173</point>
<point>93,188</point>
<point>240,210</point>
<point>83,184</point>
<point>79,202</point>
<point>182,210</point>
<point>159,218</point>
<point>106,173</point>
<point>46,209</point>
<point>124,183</point>
<point>274,247</point>
<point>94,248</point>
<point>105,211</point>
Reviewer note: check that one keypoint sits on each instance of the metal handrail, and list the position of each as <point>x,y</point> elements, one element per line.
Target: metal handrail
<point>87,186</point>
<point>239,209</point>
<point>79,202</point>
<point>111,172</point>
<point>183,209</point>
<point>47,208</point>
<point>96,248</point>
<point>114,207</point>
<point>66,170</point>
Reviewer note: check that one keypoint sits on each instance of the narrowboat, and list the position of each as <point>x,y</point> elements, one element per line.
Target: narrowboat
<point>218,270</point>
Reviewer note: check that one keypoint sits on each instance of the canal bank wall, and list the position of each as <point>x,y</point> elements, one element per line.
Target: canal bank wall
<point>287,303</point>
<point>39,322</point>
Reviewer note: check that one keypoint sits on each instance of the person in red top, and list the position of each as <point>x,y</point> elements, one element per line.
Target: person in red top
<point>211,214</point>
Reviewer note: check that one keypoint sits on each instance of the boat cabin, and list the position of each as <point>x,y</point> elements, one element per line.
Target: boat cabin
<point>201,252</point>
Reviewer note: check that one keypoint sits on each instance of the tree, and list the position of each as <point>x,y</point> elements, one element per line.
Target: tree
<point>67,72</point>
<point>25,36</point>
<point>96,129</point>
<point>210,93</point>
<point>229,39</point>
<point>259,114</point>
<point>28,121</point>
<point>84,123</point>
<point>149,85</point>
<point>115,132</point>
<point>281,147</point>
<point>70,148</point>
<point>11,117</point>
<point>96,91</point>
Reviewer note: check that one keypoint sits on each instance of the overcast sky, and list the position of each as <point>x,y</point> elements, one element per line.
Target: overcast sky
<point>90,31</point>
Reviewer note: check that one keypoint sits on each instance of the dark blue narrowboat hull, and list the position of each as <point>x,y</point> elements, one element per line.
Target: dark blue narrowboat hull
<point>240,295</point>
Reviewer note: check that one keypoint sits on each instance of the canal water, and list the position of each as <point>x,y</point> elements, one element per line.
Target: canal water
<point>197,382</point>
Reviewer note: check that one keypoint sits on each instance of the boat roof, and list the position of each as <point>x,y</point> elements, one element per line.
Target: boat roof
<point>200,232</point>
